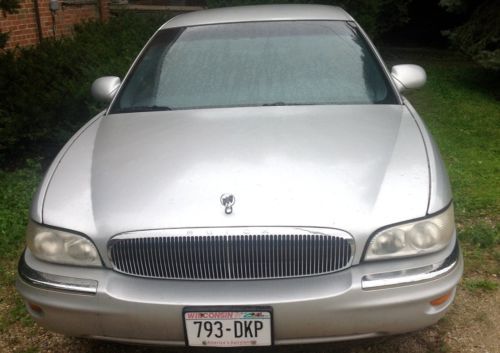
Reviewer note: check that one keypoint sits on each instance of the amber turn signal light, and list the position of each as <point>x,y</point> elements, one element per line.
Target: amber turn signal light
<point>37,309</point>
<point>442,299</point>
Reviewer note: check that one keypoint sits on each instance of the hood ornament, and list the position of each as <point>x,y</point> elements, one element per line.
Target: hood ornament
<point>227,200</point>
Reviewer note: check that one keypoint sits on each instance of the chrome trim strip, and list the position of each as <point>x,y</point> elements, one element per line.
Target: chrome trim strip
<point>55,282</point>
<point>232,231</point>
<point>427,273</point>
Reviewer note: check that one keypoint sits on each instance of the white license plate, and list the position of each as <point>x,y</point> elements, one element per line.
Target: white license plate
<point>228,328</point>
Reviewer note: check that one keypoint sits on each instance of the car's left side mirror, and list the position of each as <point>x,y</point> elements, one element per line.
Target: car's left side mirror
<point>104,88</point>
<point>408,76</point>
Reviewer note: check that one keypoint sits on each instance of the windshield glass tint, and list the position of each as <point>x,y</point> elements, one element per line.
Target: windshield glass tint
<point>255,64</point>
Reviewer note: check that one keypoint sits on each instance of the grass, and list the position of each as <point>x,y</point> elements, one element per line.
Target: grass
<point>16,190</point>
<point>461,108</point>
<point>473,284</point>
<point>483,235</point>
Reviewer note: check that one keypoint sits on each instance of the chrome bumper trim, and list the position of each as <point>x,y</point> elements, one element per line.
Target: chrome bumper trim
<point>55,282</point>
<point>412,276</point>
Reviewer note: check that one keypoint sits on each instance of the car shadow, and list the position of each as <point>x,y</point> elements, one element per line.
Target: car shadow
<point>428,340</point>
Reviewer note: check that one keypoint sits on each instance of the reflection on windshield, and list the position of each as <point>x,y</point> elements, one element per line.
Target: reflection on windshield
<point>255,64</point>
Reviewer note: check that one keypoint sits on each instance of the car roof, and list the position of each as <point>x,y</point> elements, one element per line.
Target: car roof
<point>259,13</point>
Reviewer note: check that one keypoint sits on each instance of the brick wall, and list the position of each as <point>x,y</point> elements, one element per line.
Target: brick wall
<point>24,30</point>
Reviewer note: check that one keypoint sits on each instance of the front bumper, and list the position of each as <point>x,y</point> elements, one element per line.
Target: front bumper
<point>366,300</point>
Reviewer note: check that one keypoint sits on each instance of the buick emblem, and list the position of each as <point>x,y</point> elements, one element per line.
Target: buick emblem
<point>227,200</point>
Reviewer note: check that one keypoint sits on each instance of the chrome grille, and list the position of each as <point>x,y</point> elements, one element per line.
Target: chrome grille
<point>211,256</point>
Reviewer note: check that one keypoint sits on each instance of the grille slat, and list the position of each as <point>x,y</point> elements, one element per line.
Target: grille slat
<point>231,257</point>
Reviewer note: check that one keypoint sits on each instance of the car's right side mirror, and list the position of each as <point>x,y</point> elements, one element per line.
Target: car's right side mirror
<point>104,88</point>
<point>408,76</point>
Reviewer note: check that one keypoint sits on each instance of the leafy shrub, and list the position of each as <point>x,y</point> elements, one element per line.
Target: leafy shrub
<point>376,16</point>
<point>45,90</point>
<point>479,35</point>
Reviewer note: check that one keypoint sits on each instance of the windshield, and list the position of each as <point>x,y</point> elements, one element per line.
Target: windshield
<point>255,64</point>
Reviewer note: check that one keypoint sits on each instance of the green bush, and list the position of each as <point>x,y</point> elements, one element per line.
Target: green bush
<point>45,90</point>
<point>479,37</point>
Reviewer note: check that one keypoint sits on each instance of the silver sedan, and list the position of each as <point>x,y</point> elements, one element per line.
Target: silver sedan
<point>258,178</point>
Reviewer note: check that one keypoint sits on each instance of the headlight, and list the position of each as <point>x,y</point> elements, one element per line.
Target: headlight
<point>415,238</point>
<point>54,245</point>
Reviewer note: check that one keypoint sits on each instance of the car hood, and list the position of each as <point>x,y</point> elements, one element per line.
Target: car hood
<point>355,168</point>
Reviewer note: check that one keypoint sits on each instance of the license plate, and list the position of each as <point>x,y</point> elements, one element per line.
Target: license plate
<point>232,328</point>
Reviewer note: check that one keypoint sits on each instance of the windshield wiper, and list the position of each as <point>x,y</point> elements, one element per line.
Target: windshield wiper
<point>275,104</point>
<point>149,108</point>
<point>282,104</point>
